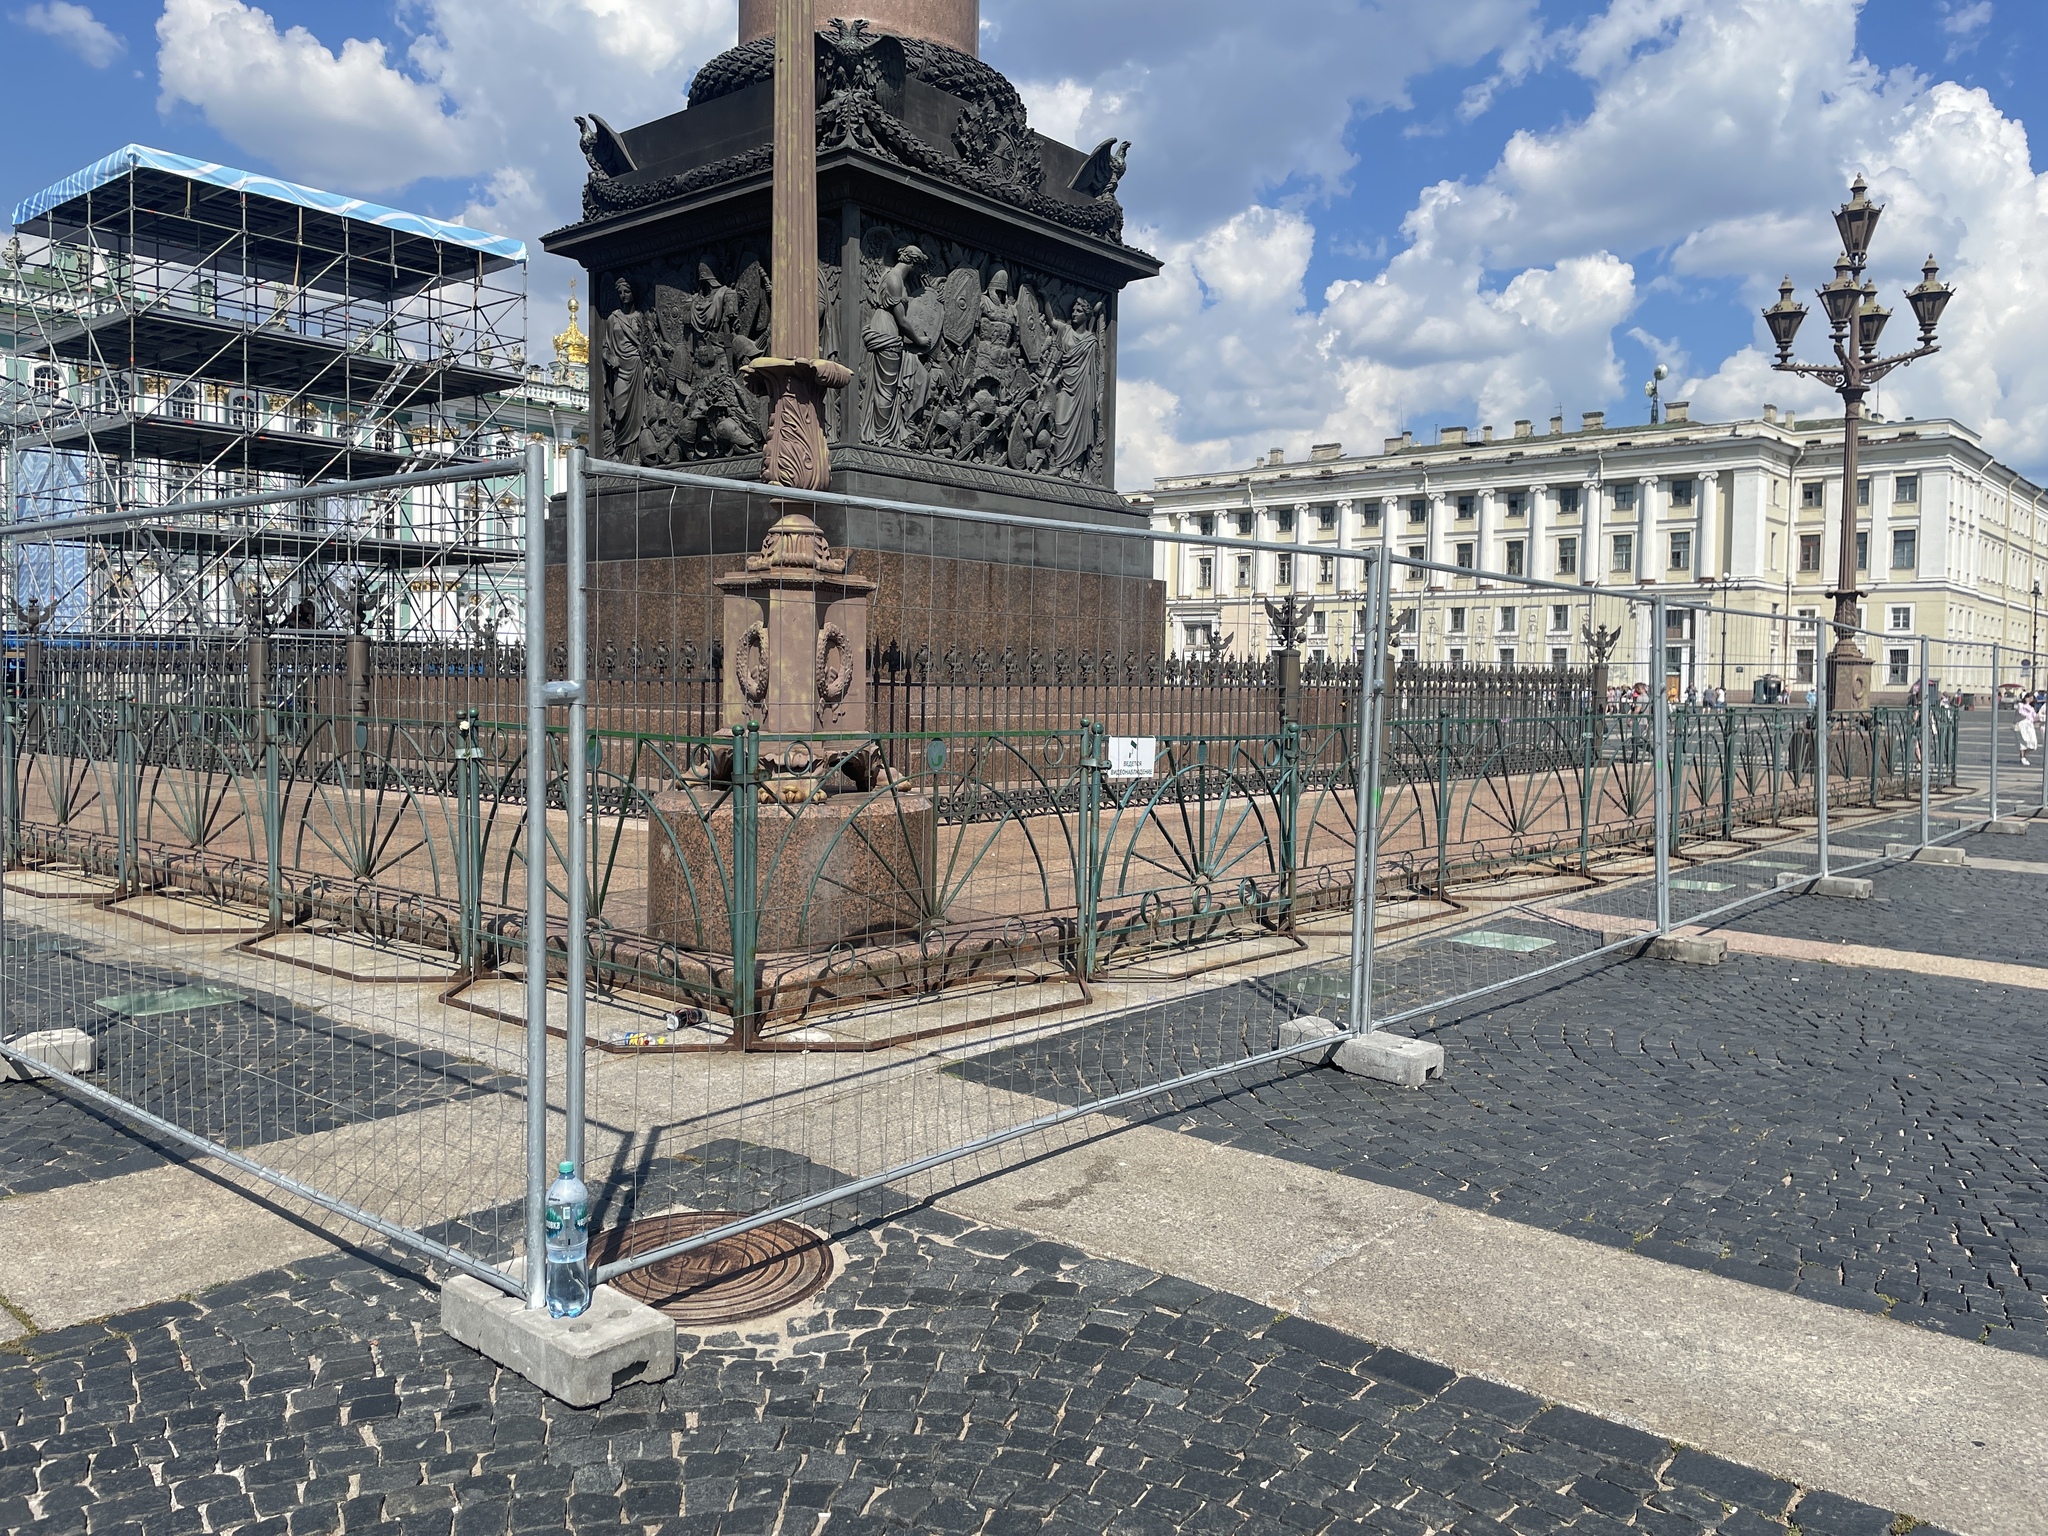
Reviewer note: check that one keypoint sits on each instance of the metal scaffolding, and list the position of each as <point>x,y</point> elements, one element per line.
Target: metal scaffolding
<point>177,331</point>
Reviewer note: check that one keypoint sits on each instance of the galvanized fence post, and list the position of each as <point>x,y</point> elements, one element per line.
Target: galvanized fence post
<point>576,765</point>
<point>10,806</point>
<point>1994,733</point>
<point>126,796</point>
<point>1372,711</point>
<point>1927,743</point>
<point>469,853</point>
<point>273,813</point>
<point>1820,751</point>
<point>1660,766</point>
<point>536,875</point>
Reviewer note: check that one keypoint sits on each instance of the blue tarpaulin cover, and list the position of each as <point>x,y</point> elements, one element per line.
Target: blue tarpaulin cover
<point>132,157</point>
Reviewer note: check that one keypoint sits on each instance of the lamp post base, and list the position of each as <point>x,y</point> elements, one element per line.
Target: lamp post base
<point>1848,680</point>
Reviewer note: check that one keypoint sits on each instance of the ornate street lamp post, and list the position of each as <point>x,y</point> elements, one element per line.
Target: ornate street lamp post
<point>1855,321</point>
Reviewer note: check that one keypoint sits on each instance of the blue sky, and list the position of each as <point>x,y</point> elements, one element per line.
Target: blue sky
<point>1376,214</point>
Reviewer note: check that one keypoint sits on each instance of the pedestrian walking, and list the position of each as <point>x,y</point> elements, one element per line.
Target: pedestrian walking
<point>2027,726</point>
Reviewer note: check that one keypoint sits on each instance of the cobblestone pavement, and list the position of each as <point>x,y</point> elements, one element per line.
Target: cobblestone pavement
<point>48,1140</point>
<point>1977,914</point>
<point>1870,1140</point>
<point>247,1071</point>
<point>954,1378</point>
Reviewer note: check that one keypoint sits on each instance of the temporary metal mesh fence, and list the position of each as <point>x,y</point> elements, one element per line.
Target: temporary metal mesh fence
<point>882,855</point>
<point>250,880</point>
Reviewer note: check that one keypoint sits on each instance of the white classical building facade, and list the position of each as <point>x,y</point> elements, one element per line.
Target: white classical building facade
<point>1744,513</point>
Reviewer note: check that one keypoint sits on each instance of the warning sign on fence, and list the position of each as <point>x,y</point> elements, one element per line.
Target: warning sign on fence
<point>1132,757</point>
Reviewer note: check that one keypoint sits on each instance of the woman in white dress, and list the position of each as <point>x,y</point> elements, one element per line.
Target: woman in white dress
<point>2028,728</point>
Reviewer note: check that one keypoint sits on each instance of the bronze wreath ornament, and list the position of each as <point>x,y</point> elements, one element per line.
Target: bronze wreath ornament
<point>750,665</point>
<point>833,679</point>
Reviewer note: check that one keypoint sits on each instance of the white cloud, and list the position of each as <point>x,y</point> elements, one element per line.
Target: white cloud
<point>76,28</point>
<point>346,119</point>
<point>1965,20</point>
<point>1720,133</point>
<point>1227,104</point>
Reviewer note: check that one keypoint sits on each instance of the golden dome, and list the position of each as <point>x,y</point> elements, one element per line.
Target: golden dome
<point>571,345</point>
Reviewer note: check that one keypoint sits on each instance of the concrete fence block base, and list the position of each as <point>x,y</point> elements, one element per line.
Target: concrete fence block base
<point>67,1050</point>
<point>1941,858</point>
<point>1688,951</point>
<point>580,1361</point>
<point>1844,887</point>
<point>1391,1059</point>
<point>2007,826</point>
<point>1297,1031</point>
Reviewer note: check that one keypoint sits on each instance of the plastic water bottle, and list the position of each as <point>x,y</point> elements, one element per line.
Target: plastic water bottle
<point>568,1220</point>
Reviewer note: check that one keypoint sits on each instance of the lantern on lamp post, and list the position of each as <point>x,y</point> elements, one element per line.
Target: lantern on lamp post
<point>1855,322</point>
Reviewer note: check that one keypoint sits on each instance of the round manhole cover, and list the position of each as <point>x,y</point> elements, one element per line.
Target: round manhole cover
<point>769,1269</point>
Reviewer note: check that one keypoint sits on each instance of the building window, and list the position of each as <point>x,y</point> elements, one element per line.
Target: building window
<point>1624,498</point>
<point>1372,514</point>
<point>1418,509</point>
<point>1326,570</point>
<point>1319,623</point>
<point>1417,553</point>
<point>1681,550</point>
<point>1517,557</point>
<point>241,409</point>
<point>1244,525</point>
<point>1560,618</point>
<point>1568,501</point>
<point>1810,493</point>
<point>1206,523</point>
<point>1455,621</point>
<point>1468,508</point>
<point>1681,493</point>
<point>1863,491</point>
<point>1507,655</point>
<point>1898,670</point>
<point>1809,552</point>
<point>1283,570</point>
<point>1457,655</point>
<point>1624,560</point>
<point>1464,560</point>
<point>1802,669</point>
<point>49,383</point>
<point>1863,549</point>
<point>1906,488</point>
<point>1518,504</point>
<point>1899,618</point>
<point>1198,637</point>
<point>1567,557</point>
<point>1283,519</point>
<point>1326,519</point>
<point>185,403</point>
<point>1905,548</point>
<point>1244,572</point>
<point>1508,620</point>
<point>1560,657</point>
<point>1205,573</point>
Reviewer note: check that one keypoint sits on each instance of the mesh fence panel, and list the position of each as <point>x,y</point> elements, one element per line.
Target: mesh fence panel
<point>900,842</point>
